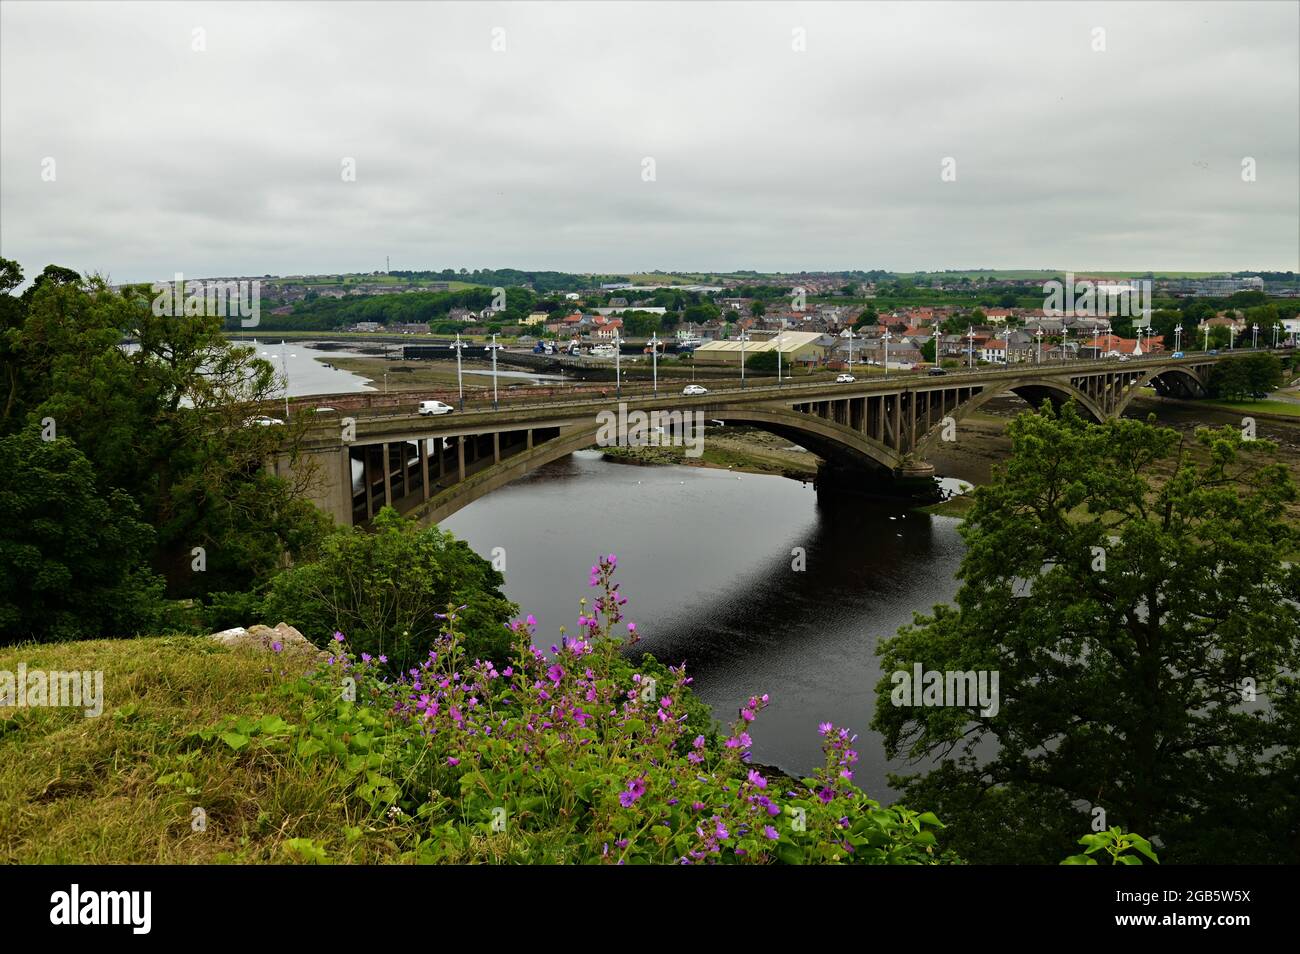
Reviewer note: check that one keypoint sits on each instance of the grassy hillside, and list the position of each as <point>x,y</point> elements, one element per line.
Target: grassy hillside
<point>120,788</point>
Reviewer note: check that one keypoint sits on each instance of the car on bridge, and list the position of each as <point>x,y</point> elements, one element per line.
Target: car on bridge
<point>264,421</point>
<point>1178,354</point>
<point>935,372</point>
<point>845,379</point>
<point>434,407</point>
<point>693,390</point>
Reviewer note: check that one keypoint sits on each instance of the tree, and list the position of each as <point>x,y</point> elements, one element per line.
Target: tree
<point>757,308</point>
<point>74,560</point>
<point>166,423</point>
<point>927,349</point>
<point>1251,376</point>
<point>868,316</point>
<point>384,588</point>
<point>1131,621</point>
<point>764,362</point>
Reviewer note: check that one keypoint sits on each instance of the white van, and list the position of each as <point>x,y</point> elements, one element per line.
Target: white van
<point>435,407</point>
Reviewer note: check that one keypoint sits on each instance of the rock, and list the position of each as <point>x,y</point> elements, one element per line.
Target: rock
<point>264,638</point>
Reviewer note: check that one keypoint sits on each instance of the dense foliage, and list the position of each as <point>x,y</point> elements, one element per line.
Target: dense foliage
<point>1146,633</point>
<point>386,587</point>
<point>163,424</point>
<point>62,578</point>
<point>1252,376</point>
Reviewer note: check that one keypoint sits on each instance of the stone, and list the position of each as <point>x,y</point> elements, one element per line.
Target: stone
<point>264,638</point>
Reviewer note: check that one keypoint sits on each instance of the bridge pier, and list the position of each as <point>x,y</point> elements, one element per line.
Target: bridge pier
<point>913,482</point>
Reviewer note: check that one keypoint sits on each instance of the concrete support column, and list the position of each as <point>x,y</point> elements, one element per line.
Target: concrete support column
<point>368,475</point>
<point>460,456</point>
<point>496,447</point>
<point>424,463</point>
<point>530,440</point>
<point>388,476</point>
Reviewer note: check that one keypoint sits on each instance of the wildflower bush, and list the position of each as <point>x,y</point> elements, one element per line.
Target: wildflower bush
<point>572,756</point>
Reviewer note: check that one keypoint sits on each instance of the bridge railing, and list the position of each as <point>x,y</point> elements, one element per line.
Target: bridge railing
<point>404,404</point>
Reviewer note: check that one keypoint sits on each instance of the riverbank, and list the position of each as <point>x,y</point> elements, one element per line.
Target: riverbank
<point>739,449</point>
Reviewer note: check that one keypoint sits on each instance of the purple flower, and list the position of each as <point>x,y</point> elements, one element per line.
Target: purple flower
<point>276,646</point>
<point>756,779</point>
<point>338,637</point>
<point>452,760</point>
<point>824,728</point>
<point>771,833</point>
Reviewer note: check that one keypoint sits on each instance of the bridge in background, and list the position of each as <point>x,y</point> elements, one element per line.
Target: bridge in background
<point>875,430</point>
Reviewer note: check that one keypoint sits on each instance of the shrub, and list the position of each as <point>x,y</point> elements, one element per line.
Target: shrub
<point>385,587</point>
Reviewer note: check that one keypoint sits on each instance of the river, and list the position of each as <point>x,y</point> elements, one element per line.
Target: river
<point>705,559</point>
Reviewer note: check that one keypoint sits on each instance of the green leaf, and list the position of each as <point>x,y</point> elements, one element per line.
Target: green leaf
<point>234,740</point>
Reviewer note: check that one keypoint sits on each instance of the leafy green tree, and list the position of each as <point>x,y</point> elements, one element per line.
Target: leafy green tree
<point>1245,377</point>
<point>74,560</point>
<point>385,588</point>
<point>167,423</point>
<point>763,362</point>
<point>1146,636</point>
<point>868,316</point>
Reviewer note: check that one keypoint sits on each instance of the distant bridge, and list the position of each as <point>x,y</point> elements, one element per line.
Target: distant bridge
<point>878,428</point>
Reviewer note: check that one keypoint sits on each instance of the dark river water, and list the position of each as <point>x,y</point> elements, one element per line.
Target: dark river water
<point>705,561</point>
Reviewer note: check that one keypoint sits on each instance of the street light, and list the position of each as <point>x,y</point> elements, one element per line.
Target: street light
<point>1178,337</point>
<point>284,366</point>
<point>778,357</point>
<point>1254,336</point>
<point>850,348</point>
<point>1006,345</point>
<point>494,348</point>
<point>885,338</point>
<point>460,381</point>
<point>1207,338</point>
<point>744,336</point>
<point>970,346</point>
<point>1232,336</point>
<point>654,359</point>
<point>618,371</point>
<point>1065,336</point>
<point>1039,335</point>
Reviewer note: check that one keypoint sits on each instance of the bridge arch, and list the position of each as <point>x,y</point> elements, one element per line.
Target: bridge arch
<point>1176,381</point>
<point>826,439</point>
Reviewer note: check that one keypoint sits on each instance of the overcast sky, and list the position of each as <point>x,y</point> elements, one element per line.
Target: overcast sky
<point>229,160</point>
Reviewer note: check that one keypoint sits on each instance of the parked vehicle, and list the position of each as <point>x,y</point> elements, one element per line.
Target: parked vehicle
<point>435,407</point>
<point>845,379</point>
<point>1177,354</point>
<point>692,390</point>
<point>264,421</point>
<point>935,372</point>
<point>539,348</point>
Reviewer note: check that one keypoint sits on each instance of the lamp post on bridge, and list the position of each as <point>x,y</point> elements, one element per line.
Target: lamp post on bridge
<point>1232,336</point>
<point>885,338</point>
<point>850,349</point>
<point>970,347</point>
<point>460,381</point>
<point>284,367</point>
<point>654,359</point>
<point>1039,335</point>
<point>744,336</point>
<point>778,357</point>
<point>1207,338</point>
<point>1178,338</point>
<point>618,371</point>
<point>494,348</point>
<point>1254,336</point>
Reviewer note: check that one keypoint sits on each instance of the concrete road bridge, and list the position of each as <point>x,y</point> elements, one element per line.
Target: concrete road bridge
<point>876,431</point>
